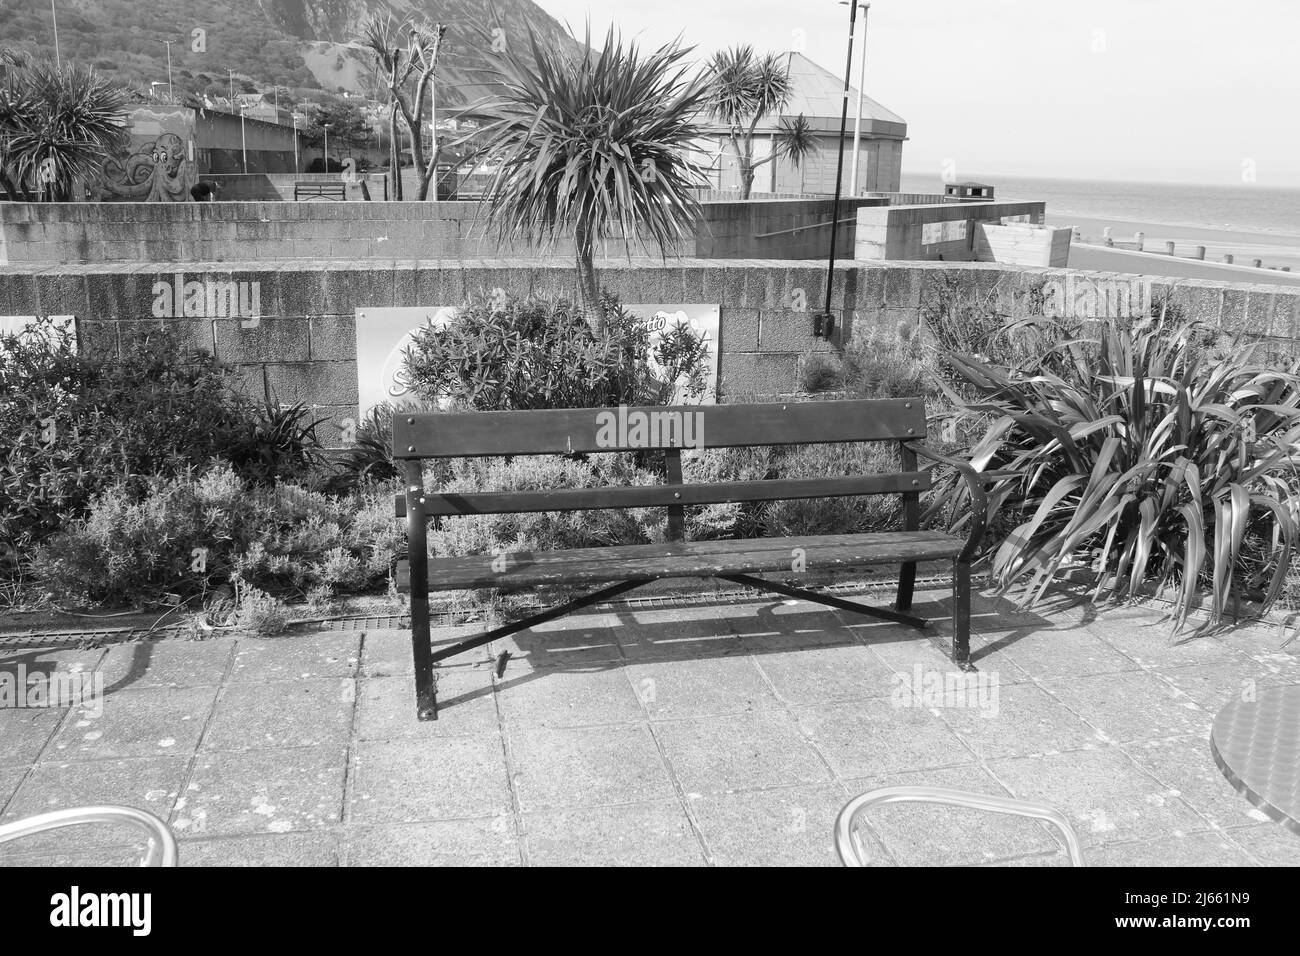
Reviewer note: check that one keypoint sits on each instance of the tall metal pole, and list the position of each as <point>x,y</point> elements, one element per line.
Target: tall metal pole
<point>243,140</point>
<point>839,171</point>
<point>857,117</point>
<point>326,128</point>
<point>171,93</point>
<point>58,60</point>
<point>295,141</point>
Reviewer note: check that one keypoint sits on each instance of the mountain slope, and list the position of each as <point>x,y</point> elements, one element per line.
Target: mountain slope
<point>298,44</point>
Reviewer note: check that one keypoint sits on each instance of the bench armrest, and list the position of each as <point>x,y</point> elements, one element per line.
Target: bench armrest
<point>975,482</point>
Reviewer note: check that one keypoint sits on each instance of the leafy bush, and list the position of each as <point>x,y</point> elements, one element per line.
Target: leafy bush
<point>1149,455</point>
<point>194,533</point>
<point>75,425</point>
<point>72,425</point>
<point>520,354</point>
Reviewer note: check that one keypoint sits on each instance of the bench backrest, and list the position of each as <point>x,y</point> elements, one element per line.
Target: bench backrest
<point>418,436</point>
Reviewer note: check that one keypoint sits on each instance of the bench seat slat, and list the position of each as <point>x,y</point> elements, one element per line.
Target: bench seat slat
<point>569,430</point>
<point>683,559</point>
<point>651,496</point>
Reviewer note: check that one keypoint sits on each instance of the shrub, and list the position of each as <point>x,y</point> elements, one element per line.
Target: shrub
<point>846,515</point>
<point>520,354</point>
<point>544,531</point>
<point>260,613</point>
<point>820,372</point>
<point>276,443</point>
<point>74,425</point>
<point>194,533</point>
<point>1147,456</point>
<point>881,366</point>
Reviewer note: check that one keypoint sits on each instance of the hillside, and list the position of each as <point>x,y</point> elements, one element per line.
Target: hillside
<point>296,44</point>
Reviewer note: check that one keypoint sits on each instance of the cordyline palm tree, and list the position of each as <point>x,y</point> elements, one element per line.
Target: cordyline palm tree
<point>744,88</point>
<point>599,143</point>
<point>56,126</point>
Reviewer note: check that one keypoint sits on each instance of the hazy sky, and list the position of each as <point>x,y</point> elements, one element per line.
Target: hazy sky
<point>1161,90</point>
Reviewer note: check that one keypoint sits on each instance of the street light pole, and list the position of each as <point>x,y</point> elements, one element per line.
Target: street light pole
<point>171,92</point>
<point>326,128</point>
<point>243,140</point>
<point>295,141</point>
<point>857,117</point>
<point>58,60</point>
<point>825,323</point>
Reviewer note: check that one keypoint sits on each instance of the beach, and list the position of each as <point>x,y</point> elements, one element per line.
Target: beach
<point>1275,249</point>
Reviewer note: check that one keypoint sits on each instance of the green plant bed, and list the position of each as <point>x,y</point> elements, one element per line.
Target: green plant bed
<point>1154,452</point>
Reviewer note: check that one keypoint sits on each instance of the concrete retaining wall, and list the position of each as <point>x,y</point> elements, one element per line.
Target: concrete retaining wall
<point>355,230</point>
<point>303,347</point>
<point>910,233</point>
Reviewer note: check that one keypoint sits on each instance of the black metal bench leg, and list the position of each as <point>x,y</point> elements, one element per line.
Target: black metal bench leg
<point>426,684</point>
<point>906,582</point>
<point>961,616</point>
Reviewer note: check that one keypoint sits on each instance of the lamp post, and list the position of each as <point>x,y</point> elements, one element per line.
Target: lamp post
<point>171,93</point>
<point>58,60</point>
<point>824,323</point>
<point>326,128</point>
<point>243,140</point>
<point>857,117</point>
<point>295,141</point>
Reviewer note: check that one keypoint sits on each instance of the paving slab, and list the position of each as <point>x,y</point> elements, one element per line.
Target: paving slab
<point>1107,797</point>
<point>148,783</point>
<point>785,826</point>
<point>304,713</point>
<point>441,778</point>
<point>485,842</point>
<point>873,737</point>
<point>166,663</point>
<point>289,849</point>
<point>262,791</point>
<point>25,733</point>
<point>144,722</point>
<point>561,767</point>
<point>296,657</point>
<point>765,748</point>
<point>466,705</point>
<point>658,833</point>
<point>827,674</point>
<point>577,696</point>
<point>699,688</point>
<point>1131,706</point>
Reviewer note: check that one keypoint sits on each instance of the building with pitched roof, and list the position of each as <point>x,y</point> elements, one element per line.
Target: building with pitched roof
<point>819,95</point>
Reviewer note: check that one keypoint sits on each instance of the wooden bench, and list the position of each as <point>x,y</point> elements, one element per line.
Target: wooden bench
<point>320,190</point>
<point>567,431</point>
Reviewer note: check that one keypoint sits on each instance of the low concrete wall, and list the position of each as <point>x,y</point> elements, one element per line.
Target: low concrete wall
<point>916,232</point>
<point>1022,244</point>
<point>228,231</point>
<point>778,229</point>
<point>303,347</point>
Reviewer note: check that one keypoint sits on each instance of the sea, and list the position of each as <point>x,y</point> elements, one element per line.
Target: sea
<point>1247,207</point>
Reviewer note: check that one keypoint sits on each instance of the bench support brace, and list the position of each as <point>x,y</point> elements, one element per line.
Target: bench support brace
<point>763,585</point>
<point>426,685</point>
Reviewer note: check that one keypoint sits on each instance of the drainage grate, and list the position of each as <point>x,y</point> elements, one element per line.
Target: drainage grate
<point>83,640</point>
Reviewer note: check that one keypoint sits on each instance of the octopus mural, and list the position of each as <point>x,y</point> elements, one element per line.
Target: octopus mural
<point>157,172</point>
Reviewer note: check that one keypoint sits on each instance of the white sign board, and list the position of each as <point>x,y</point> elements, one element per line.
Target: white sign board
<point>385,334</point>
